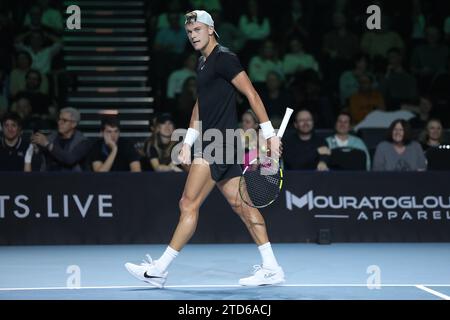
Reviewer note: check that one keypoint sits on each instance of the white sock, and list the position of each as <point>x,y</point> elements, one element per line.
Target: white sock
<point>163,262</point>
<point>267,255</point>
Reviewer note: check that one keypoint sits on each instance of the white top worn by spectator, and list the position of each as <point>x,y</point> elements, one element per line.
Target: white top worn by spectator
<point>294,62</point>
<point>259,68</point>
<point>383,119</point>
<point>176,81</point>
<point>42,60</point>
<point>252,30</point>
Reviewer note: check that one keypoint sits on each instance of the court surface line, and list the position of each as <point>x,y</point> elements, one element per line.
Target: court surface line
<point>422,287</point>
<point>433,292</point>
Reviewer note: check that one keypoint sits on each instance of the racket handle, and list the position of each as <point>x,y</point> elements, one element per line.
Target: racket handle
<point>285,122</point>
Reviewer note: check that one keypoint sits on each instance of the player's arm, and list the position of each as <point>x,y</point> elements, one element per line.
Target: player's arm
<point>191,135</point>
<point>245,86</point>
<point>194,117</point>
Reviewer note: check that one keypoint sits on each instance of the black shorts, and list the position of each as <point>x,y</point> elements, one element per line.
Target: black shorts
<point>223,170</point>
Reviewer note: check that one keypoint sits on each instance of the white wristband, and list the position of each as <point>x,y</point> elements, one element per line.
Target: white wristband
<point>267,130</point>
<point>29,154</point>
<point>191,136</point>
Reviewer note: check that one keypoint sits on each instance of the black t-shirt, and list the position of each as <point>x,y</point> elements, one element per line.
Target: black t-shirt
<point>163,159</point>
<point>216,93</point>
<point>12,158</point>
<point>126,154</point>
<point>302,155</point>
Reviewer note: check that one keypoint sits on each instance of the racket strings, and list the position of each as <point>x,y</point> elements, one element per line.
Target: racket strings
<point>259,189</point>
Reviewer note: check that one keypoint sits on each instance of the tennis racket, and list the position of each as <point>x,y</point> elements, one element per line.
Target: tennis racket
<point>262,179</point>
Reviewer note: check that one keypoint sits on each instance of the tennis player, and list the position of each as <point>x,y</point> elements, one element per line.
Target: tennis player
<point>219,74</point>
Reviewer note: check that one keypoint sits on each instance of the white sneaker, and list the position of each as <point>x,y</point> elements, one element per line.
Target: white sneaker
<point>263,276</point>
<point>147,272</point>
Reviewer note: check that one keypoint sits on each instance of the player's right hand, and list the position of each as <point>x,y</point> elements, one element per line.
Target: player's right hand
<point>185,154</point>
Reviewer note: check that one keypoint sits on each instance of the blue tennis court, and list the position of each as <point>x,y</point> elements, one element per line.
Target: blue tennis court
<point>363,271</point>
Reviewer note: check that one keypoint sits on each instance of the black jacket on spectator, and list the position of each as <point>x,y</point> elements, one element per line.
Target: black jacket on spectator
<point>302,155</point>
<point>12,158</point>
<point>126,153</point>
<point>67,154</point>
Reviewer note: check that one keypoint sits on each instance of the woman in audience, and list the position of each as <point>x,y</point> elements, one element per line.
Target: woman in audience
<point>158,148</point>
<point>399,152</point>
<point>432,136</point>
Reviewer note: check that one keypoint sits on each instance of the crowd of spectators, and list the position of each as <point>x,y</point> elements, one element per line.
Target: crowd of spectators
<point>315,56</point>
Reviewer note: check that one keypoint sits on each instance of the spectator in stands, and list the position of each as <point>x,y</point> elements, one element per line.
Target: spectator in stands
<point>342,138</point>
<point>49,17</point>
<point>398,86</point>
<point>433,135</point>
<point>266,61</point>
<point>275,97</point>
<point>250,138</point>
<point>173,7</point>
<point>399,152</point>
<point>113,153</point>
<point>171,39</point>
<point>178,77</point>
<point>365,100</point>
<point>440,95</point>
<point>18,75</point>
<point>430,58</point>
<point>66,149</point>
<point>376,43</point>
<point>349,80</point>
<point>22,107</point>
<point>297,60</point>
<point>230,35</point>
<point>13,147</point>
<point>41,55</point>
<point>158,149</point>
<point>419,21</point>
<point>255,27</point>
<point>293,21</point>
<point>308,93</point>
<point>41,104</point>
<point>340,44</point>
<point>421,110</point>
<point>303,150</point>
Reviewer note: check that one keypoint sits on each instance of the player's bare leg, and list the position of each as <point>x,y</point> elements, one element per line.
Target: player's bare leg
<point>198,186</point>
<point>270,272</point>
<point>252,218</point>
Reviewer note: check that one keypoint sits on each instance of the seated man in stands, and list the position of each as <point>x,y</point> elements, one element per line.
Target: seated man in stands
<point>65,150</point>
<point>113,153</point>
<point>303,150</point>
<point>342,138</point>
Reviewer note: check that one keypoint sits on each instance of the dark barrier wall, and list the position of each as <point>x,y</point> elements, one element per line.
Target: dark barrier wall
<point>111,208</point>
